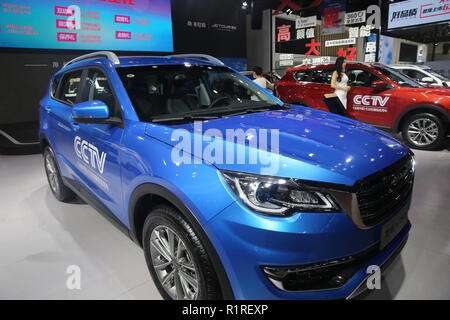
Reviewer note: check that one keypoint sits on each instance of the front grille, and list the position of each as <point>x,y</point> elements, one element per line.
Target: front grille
<point>384,192</point>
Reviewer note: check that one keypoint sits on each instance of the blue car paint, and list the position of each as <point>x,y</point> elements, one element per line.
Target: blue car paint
<point>314,145</point>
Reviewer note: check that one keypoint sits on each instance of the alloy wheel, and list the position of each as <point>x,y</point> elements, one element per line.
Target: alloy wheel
<point>423,131</point>
<point>173,264</point>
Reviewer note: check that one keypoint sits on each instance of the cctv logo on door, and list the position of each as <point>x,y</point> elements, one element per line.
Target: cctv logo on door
<point>370,103</point>
<point>90,154</point>
<point>370,100</point>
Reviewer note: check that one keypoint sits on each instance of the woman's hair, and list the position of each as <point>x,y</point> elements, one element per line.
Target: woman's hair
<point>339,67</point>
<point>257,70</point>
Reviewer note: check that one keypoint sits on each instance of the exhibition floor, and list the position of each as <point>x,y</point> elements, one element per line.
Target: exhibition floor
<point>40,237</point>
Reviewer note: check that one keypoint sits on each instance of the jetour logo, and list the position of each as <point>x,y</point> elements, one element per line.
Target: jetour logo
<point>90,154</point>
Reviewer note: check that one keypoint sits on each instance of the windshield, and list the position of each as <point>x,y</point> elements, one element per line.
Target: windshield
<point>400,79</point>
<point>184,91</point>
<point>437,75</point>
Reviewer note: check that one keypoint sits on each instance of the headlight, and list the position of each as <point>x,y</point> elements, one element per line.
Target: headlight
<point>278,196</point>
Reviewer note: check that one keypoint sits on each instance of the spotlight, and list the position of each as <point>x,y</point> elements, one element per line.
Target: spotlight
<point>244,5</point>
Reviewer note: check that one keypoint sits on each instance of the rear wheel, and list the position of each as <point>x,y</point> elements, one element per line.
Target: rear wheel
<point>59,190</point>
<point>424,131</point>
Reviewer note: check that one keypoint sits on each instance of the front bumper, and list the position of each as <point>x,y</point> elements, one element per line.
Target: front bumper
<point>246,241</point>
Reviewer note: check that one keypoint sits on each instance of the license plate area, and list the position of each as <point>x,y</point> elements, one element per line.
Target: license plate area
<point>393,227</point>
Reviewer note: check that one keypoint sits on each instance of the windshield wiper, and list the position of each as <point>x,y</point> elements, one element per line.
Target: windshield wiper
<point>261,109</point>
<point>209,114</point>
<point>188,117</point>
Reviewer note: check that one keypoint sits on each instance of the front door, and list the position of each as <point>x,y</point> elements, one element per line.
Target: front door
<point>97,146</point>
<point>368,104</point>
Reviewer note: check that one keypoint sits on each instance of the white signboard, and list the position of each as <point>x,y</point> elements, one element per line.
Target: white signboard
<point>286,56</point>
<point>317,60</point>
<point>371,47</point>
<point>286,63</point>
<point>369,57</point>
<point>305,22</point>
<point>415,12</point>
<point>355,17</point>
<point>340,42</point>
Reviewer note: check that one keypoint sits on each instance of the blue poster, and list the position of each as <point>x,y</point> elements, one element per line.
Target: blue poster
<point>121,25</point>
<point>333,13</point>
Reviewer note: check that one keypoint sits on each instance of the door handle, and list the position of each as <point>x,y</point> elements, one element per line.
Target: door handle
<point>47,108</point>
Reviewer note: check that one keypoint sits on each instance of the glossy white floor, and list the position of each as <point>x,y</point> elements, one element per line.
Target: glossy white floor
<point>40,237</point>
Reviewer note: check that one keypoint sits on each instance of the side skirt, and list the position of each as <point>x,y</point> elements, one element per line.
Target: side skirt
<point>87,196</point>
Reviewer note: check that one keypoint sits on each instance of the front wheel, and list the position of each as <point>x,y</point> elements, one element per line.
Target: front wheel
<point>424,131</point>
<point>176,258</point>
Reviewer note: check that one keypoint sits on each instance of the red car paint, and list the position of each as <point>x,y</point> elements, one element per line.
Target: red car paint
<point>383,107</point>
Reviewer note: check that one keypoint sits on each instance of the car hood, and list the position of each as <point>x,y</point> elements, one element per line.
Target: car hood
<point>312,145</point>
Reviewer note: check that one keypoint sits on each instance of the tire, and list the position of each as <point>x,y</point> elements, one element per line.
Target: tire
<point>55,182</point>
<point>162,221</point>
<point>424,131</point>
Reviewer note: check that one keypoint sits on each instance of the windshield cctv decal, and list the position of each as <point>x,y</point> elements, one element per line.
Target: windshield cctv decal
<point>89,154</point>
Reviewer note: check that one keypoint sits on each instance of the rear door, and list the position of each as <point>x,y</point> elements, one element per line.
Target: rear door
<point>97,146</point>
<point>312,85</point>
<point>367,104</point>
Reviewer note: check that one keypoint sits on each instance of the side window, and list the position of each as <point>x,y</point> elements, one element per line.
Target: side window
<point>54,86</point>
<point>321,76</point>
<point>361,78</point>
<point>415,75</point>
<point>302,75</point>
<point>70,83</point>
<point>97,88</point>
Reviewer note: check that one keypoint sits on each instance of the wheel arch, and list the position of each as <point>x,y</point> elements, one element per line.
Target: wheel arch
<point>43,142</point>
<point>147,196</point>
<point>423,108</point>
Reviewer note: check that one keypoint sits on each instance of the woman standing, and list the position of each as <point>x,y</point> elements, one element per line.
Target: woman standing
<point>260,79</point>
<point>339,81</point>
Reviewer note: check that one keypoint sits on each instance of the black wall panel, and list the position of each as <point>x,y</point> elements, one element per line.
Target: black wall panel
<point>24,73</point>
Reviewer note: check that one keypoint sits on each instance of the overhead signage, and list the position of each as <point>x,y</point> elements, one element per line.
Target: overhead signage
<point>416,12</point>
<point>340,42</point>
<point>127,25</point>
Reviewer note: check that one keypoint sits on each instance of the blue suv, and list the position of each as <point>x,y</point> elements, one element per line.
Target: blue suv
<point>231,193</point>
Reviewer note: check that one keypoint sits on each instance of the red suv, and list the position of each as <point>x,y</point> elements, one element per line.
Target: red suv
<point>379,96</point>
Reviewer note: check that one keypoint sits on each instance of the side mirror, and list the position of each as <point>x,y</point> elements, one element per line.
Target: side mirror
<point>94,111</point>
<point>427,80</point>
<point>380,85</point>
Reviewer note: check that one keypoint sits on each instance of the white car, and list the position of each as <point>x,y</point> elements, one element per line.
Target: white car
<point>423,74</point>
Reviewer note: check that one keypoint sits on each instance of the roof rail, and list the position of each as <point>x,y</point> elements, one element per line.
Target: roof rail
<point>111,56</point>
<point>204,57</point>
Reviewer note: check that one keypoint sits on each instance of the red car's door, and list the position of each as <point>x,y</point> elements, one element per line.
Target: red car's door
<point>366,103</point>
